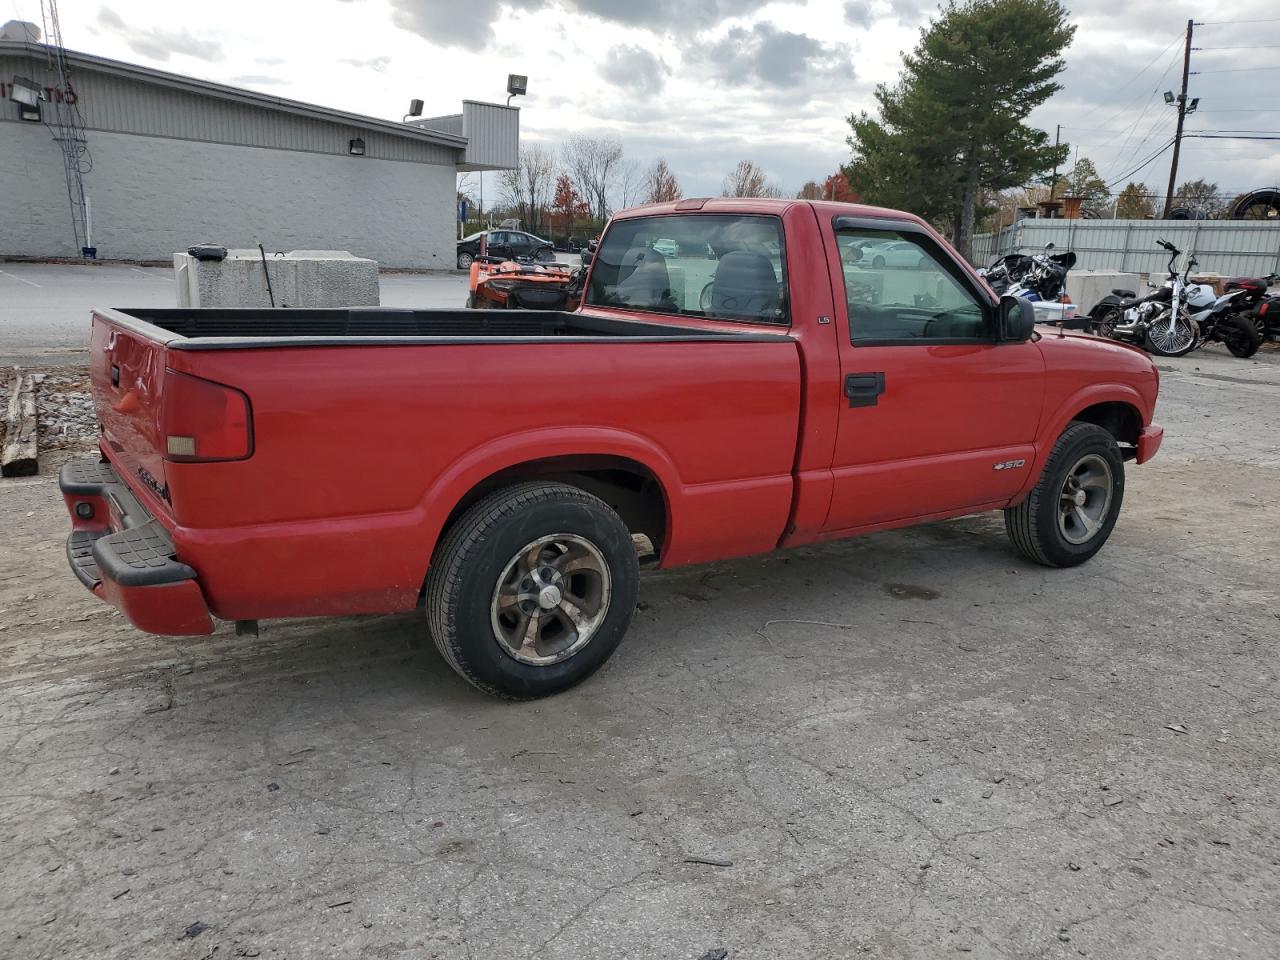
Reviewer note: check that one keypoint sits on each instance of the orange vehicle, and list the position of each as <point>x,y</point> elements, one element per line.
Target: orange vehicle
<point>519,285</point>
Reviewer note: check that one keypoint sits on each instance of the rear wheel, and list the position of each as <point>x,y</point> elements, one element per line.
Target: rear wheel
<point>878,263</point>
<point>465,260</point>
<point>1105,324</point>
<point>1240,336</point>
<point>1074,505</point>
<point>532,589</point>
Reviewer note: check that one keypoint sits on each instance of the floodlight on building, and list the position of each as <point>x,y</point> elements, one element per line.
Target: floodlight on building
<point>25,92</point>
<point>517,86</point>
<point>355,147</point>
<point>415,110</point>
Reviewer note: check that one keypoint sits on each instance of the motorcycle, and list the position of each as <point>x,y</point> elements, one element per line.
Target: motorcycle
<point>1177,317</point>
<point>1253,303</point>
<point>1005,271</point>
<point>1043,282</point>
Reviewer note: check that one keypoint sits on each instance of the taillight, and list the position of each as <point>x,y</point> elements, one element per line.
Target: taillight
<point>202,420</point>
<point>1264,307</point>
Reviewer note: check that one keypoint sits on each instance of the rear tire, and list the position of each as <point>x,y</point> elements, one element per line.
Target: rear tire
<point>877,263</point>
<point>464,260</point>
<point>1074,505</point>
<point>1240,336</point>
<point>523,628</point>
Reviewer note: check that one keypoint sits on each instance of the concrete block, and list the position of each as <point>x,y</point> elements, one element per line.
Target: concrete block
<point>1087,287</point>
<point>300,278</point>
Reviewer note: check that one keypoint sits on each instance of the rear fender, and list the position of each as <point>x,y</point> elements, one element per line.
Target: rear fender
<point>503,453</point>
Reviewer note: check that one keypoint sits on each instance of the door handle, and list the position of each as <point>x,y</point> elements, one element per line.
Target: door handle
<point>863,389</point>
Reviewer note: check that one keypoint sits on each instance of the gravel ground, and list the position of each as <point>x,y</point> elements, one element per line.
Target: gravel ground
<point>911,745</point>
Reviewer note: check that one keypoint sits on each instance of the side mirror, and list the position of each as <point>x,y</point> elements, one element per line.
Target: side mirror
<point>1017,320</point>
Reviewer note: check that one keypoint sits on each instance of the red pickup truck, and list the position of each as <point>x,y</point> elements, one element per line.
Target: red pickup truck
<point>752,381</point>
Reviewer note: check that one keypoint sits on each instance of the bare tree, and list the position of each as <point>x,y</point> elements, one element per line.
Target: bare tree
<point>594,165</point>
<point>528,188</point>
<point>630,185</point>
<point>748,180</point>
<point>661,185</point>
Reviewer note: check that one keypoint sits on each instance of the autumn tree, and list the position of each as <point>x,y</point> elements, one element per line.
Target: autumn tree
<point>1083,181</point>
<point>567,203</point>
<point>953,126</point>
<point>1201,197</point>
<point>812,190</point>
<point>749,180</point>
<point>528,188</point>
<point>594,164</point>
<point>836,187</point>
<point>661,185</point>
<point>1135,203</point>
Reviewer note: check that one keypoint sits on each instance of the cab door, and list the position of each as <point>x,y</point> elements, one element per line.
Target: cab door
<point>937,415</point>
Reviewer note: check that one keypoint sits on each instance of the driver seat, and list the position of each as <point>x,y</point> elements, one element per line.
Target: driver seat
<point>745,287</point>
<point>1124,294</point>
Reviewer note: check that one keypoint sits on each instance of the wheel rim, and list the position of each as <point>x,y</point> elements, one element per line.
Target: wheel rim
<point>464,260</point>
<point>551,599</point>
<point>1085,499</point>
<point>1171,336</point>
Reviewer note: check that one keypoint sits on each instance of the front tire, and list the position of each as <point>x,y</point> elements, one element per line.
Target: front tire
<point>1176,341</point>
<point>877,263</point>
<point>465,260</point>
<point>532,589</point>
<point>1074,505</point>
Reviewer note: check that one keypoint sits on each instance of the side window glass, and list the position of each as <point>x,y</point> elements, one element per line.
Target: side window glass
<point>899,291</point>
<point>717,266</point>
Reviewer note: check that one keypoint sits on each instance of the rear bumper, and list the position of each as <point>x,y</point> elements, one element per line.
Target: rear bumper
<point>1149,442</point>
<point>125,556</point>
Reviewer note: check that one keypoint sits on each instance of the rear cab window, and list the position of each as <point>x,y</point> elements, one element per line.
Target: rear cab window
<point>901,288</point>
<point>715,266</point>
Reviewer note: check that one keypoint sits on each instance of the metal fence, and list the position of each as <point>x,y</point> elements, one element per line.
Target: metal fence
<point>1227,247</point>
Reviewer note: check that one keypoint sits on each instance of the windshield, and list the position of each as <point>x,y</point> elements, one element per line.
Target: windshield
<point>722,266</point>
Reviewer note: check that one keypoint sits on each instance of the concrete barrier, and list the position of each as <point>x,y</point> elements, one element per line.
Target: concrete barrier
<point>299,278</point>
<point>1087,287</point>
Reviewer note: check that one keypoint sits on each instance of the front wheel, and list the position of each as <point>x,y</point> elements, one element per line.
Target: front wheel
<point>465,260</point>
<point>1172,339</point>
<point>532,589</point>
<point>1074,505</point>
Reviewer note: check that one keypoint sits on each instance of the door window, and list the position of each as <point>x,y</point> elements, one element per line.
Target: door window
<point>719,266</point>
<point>921,300</point>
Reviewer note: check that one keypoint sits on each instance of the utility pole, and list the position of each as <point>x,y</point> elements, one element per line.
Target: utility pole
<point>1053,184</point>
<point>1182,115</point>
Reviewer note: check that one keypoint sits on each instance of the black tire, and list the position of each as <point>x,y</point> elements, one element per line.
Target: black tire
<point>1104,324</point>
<point>877,263</point>
<point>1240,336</point>
<point>1034,525</point>
<point>480,548</point>
<point>464,260</point>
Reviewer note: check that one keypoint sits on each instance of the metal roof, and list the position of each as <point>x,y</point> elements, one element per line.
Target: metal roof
<point>220,91</point>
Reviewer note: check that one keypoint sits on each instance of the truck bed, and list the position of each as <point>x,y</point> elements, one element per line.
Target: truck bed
<point>241,328</point>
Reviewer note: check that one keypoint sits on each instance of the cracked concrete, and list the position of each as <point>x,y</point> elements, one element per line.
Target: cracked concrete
<point>912,745</point>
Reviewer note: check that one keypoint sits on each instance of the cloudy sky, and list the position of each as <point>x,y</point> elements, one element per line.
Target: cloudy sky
<point>706,83</point>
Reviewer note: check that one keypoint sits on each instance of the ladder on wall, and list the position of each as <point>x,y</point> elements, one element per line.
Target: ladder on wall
<point>67,126</point>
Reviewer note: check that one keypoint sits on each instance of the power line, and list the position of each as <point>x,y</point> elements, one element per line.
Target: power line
<point>1220,23</point>
<point>1243,46</point>
<point>1234,70</point>
<point>1230,136</point>
<point>1145,163</point>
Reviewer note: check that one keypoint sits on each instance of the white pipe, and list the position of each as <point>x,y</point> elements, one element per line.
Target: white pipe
<point>88,222</point>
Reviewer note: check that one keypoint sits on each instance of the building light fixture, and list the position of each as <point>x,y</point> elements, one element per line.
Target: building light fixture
<point>356,147</point>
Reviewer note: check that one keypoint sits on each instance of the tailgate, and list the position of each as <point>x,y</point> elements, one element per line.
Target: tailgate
<point>126,369</point>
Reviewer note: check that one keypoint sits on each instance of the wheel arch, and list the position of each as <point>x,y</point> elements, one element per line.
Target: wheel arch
<point>1116,407</point>
<point>629,472</point>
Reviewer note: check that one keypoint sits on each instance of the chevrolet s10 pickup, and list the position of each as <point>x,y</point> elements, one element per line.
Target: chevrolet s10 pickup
<point>742,375</point>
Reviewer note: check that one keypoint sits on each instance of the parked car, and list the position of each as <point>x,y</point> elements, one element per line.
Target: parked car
<point>668,248</point>
<point>517,512</point>
<point>508,244</point>
<point>893,253</point>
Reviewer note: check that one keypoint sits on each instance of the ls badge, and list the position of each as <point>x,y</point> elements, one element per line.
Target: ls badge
<point>1009,464</point>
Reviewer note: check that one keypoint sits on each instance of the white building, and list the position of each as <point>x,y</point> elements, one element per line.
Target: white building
<point>165,161</point>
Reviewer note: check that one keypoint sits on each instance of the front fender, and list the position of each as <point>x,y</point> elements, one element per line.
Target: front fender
<point>1057,420</point>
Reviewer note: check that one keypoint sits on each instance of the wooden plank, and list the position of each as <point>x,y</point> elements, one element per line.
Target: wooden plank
<point>20,458</point>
